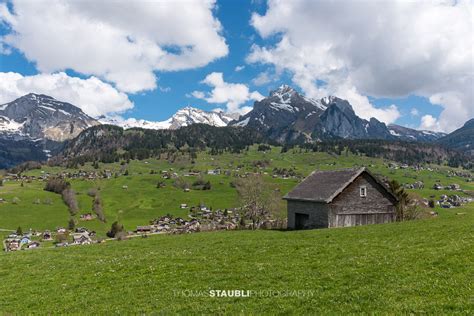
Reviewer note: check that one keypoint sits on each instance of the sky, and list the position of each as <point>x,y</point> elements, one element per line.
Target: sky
<point>404,62</point>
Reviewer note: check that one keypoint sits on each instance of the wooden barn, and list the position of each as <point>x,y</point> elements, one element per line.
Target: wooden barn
<point>340,198</point>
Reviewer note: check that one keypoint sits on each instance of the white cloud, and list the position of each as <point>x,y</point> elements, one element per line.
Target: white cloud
<point>262,78</point>
<point>239,68</point>
<point>92,95</point>
<point>231,94</point>
<point>377,48</point>
<point>123,42</point>
<point>414,112</point>
<point>429,122</point>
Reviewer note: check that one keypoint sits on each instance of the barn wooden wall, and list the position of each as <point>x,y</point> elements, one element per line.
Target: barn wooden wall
<point>350,209</point>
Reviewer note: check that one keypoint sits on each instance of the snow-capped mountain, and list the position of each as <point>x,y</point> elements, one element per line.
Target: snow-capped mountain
<point>183,117</point>
<point>38,116</point>
<point>286,115</point>
<point>409,134</point>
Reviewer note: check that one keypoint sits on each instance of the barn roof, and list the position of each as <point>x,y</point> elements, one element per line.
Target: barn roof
<point>324,186</point>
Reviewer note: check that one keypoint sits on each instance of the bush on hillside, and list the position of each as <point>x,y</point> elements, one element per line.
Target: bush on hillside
<point>56,185</point>
<point>69,198</point>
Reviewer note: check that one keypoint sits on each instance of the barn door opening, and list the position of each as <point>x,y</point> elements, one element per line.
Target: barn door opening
<point>301,220</point>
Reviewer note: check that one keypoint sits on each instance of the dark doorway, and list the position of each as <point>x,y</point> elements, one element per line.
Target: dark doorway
<point>301,220</point>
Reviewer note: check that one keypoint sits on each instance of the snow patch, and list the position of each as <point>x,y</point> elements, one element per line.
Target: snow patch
<point>394,133</point>
<point>243,123</point>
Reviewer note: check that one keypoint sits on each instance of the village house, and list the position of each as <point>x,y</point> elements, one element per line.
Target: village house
<point>87,217</point>
<point>33,245</point>
<point>81,238</point>
<point>47,235</point>
<point>12,245</point>
<point>144,229</point>
<point>61,230</point>
<point>340,198</point>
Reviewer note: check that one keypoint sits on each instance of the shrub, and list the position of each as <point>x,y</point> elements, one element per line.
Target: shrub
<point>115,230</point>
<point>56,185</point>
<point>263,147</point>
<point>431,203</point>
<point>180,183</point>
<point>200,184</point>
<point>69,198</point>
<point>92,192</point>
<point>97,208</point>
<point>71,224</point>
<point>60,238</point>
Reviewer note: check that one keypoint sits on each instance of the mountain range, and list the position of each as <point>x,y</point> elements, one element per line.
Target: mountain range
<point>43,124</point>
<point>183,117</point>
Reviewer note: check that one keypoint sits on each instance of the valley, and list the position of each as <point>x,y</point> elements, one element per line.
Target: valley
<point>420,266</point>
<point>131,195</point>
<point>157,214</point>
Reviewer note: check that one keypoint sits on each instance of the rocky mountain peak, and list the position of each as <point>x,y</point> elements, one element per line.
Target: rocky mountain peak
<point>283,91</point>
<point>341,104</point>
<point>39,116</point>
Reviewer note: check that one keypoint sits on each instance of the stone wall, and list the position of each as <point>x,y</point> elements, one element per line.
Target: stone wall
<point>318,213</point>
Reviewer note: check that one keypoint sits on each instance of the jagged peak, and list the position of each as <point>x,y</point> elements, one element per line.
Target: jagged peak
<point>342,104</point>
<point>330,99</point>
<point>35,96</point>
<point>283,89</point>
<point>189,108</point>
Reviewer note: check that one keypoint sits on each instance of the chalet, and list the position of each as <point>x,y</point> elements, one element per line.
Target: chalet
<point>33,245</point>
<point>81,239</point>
<point>47,235</point>
<point>61,230</point>
<point>25,240</point>
<point>340,198</point>
<point>144,229</point>
<point>12,245</point>
<point>87,217</point>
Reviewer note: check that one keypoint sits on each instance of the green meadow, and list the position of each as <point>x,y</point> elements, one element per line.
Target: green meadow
<point>142,201</point>
<point>418,267</point>
<point>422,266</point>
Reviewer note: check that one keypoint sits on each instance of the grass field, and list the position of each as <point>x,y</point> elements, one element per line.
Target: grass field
<point>418,267</point>
<point>142,201</point>
<point>422,266</point>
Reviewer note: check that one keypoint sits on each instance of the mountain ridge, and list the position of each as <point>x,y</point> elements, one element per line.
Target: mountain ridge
<point>38,116</point>
<point>183,117</point>
<point>42,126</point>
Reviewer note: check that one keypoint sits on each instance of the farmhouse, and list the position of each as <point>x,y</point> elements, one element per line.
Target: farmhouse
<point>340,198</point>
<point>81,239</point>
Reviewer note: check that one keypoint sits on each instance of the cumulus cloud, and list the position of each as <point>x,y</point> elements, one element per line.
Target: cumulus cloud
<point>231,94</point>
<point>239,68</point>
<point>123,43</point>
<point>414,112</point>
<point>374,48</point>
<point>430,123</point>
<point>92,95</point>
<point>263,78</point>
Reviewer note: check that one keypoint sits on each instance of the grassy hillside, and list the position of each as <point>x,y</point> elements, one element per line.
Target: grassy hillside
<point>422,266</point>
<point>143,201</point>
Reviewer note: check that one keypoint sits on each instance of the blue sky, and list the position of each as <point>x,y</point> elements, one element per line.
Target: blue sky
<point>289,43</point>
